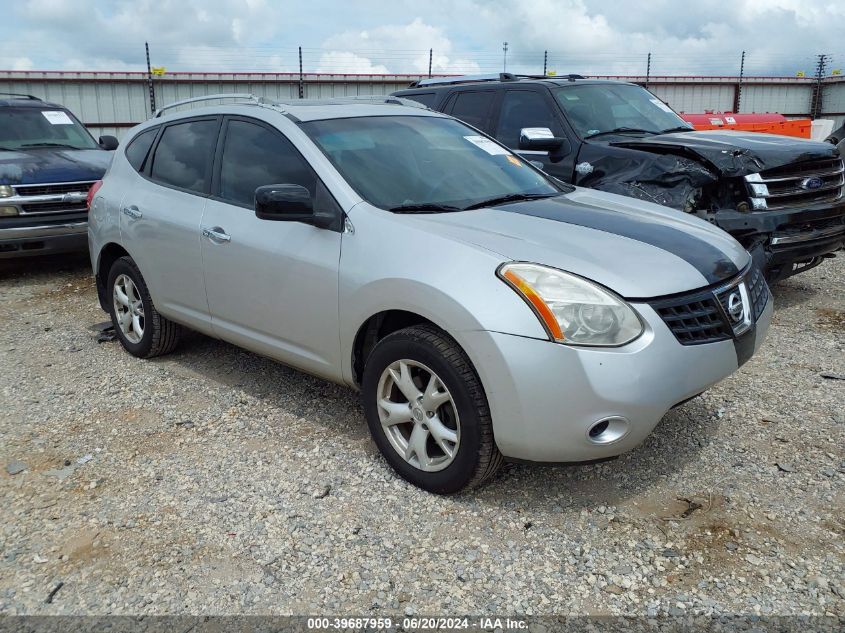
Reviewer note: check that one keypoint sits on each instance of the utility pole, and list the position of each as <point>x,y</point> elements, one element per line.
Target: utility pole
<point>738,90</point>
<point>301,85</point>
<point>545,62</point>
<point>647,70</point>
<point>430,55</point>
<point>505,61</point>
<point>150,81</point>
<point>816,106</point>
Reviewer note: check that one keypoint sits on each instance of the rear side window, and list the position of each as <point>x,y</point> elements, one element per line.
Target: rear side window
<point>254,156</point>
<point>473,107</point>
<point>139,147</point>
<point>524,108</point>
<point>425,98</point>
<point>183,155</point>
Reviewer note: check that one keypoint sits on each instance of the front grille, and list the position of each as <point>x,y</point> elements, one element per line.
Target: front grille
<point>701,316</point>
<point>46,190</point>
<point>695,321</point>
<point>798,184</point>
<point>53,207</point>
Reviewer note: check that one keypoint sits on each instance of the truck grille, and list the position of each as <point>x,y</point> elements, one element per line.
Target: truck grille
<point>798,184</point>
<point>702,316</point>
<point>47,198</point>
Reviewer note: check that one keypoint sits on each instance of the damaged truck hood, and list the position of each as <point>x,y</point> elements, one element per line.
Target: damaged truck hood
<point>734,153</point>
<point>52,165</point>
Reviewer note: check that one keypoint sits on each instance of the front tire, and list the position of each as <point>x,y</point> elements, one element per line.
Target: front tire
<point>142,331</point>
<point>427,411</point>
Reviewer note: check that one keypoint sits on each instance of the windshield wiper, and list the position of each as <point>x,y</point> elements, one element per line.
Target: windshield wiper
<point>511,197</point>
<point>49,145</point>
<point>680,128</point>
<point>424,207</point>
<point>622,130</point>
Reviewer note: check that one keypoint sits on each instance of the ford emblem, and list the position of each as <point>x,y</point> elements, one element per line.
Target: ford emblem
<point>814,182</point>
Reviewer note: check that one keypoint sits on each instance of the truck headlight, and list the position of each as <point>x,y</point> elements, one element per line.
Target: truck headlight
<point>6,191</point>
<point>572,309</point>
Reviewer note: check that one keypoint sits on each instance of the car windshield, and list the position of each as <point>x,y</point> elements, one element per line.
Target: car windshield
<point>594,109</point>
<point>425,163</point>
<point>32,128</point>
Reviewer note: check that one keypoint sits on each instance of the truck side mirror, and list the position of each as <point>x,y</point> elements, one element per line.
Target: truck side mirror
<point>540,139</point>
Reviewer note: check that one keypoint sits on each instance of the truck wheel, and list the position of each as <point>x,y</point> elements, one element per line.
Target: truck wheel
<point>427,411</point>
<point>142,331</point>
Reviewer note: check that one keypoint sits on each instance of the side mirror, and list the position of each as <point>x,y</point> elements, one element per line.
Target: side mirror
<point>287,203</point>
<point>107,142</point>
<point>539,138</point>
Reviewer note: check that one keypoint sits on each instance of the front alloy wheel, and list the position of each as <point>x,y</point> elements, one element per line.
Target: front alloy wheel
<point>418,415</point>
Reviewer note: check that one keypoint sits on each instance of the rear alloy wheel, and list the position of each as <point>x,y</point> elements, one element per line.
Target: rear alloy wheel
<point>142,331</point>
<point>427,411</point>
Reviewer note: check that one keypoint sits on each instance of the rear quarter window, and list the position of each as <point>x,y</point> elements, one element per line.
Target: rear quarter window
<point>425,98</point>
<point>139,147</point>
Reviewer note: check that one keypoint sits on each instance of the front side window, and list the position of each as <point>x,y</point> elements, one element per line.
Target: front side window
<point>473,107</point>
<point>254,156</point>
<point>183,155</point>
<point>524,108</point>
<point>139,147</point>
<point>32,128</point>
<point>394,161</point>
<point>595,109</point>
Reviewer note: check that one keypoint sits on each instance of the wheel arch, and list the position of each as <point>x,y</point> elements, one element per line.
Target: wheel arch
<point>108,255</point>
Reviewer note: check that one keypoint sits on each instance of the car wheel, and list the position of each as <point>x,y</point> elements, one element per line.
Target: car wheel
<point>427,411</point>
<point>142,331</point>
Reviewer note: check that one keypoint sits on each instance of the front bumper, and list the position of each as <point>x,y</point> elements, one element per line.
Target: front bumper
<point>545,397</point>
<point>43,239</point>
<point>778,239</point>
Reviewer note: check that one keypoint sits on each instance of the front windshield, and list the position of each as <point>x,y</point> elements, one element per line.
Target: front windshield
<point>596,108</point>
<point>404,161</point>
<point>28,128</point>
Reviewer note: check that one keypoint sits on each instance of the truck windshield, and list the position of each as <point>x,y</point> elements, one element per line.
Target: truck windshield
<point>33,128</point>
<point>425,163</point>
<point>597,109</point>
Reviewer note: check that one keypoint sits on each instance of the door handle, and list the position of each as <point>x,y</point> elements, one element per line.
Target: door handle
<point>133,212</point>
<point>216,235</point>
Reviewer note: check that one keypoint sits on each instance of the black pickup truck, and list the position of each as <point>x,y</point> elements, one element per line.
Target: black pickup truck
<point>781,197</point>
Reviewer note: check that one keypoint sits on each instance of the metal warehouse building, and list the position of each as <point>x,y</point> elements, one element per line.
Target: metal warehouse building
<point>113,102</point>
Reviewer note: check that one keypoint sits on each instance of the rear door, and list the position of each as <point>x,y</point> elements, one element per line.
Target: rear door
<point>160,218</point>
<point>522,108</point>
<point>272,285</point>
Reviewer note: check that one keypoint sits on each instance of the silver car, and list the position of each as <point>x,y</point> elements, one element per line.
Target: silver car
<point>484,310</point>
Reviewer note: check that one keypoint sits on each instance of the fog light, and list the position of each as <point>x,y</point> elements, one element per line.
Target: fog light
<point>6,191</point>
<point>7,211</point>
<point>608,430</point>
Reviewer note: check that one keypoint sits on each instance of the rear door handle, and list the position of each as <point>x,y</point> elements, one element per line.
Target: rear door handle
<point>133,212</point>
<point>217,235</point>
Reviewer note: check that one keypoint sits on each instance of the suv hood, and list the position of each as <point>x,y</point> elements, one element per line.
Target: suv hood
<point>52,165</point>
<point>635,248</point>
<point>734,153</point>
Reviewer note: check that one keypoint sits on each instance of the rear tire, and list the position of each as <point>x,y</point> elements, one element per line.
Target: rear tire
<point>142,331</point>
<point>427,411</point>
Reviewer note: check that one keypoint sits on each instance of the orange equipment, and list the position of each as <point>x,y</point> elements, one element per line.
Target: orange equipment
<point>769,122</point>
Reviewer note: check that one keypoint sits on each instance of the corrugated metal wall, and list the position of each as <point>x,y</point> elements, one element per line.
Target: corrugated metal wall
<point>110,103</point>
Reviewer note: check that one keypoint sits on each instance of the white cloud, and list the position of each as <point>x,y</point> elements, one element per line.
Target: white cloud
<point>347,62</point>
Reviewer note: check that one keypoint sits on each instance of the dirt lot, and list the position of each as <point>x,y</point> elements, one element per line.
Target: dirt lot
<point>214,480</point>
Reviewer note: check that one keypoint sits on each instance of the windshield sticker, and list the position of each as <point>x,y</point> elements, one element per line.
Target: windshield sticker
<point>661,105</point>
<point>57,117</point>
<point>487,145</point>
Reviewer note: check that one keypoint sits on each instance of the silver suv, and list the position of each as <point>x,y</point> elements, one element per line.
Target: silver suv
<point>484,310</point>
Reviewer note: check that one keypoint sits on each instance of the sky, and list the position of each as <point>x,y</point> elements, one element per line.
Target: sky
<point>610,37</point>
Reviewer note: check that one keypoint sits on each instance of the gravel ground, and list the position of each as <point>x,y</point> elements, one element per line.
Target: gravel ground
<point>217,481</point>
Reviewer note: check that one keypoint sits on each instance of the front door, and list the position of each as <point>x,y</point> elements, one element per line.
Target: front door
<point>272,285</point>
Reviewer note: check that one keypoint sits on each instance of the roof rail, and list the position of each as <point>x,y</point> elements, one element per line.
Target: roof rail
<point>445,81</point>
<point>18,94</point>
<point>226,95</point>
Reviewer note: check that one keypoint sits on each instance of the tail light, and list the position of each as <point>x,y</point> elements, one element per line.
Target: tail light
<point>92,192</point>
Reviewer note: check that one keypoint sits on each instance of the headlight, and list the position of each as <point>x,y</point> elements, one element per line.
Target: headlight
<point>6,191</point>
<point>572,309</point>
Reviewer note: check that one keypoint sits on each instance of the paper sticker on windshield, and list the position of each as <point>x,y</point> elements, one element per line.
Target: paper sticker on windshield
<point>661,105</point>
<point>487,145</point>
<point>57,117</point>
